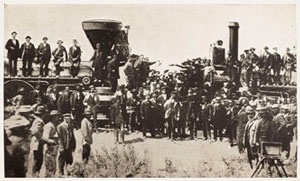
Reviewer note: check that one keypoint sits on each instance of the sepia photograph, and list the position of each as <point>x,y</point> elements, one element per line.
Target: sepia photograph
<point>149,90</point>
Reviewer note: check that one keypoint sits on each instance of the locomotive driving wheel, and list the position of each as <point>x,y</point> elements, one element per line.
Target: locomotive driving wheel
<point>12,87</point>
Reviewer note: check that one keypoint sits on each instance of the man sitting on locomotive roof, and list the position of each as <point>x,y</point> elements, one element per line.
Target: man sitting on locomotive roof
<point>74,58</point>
<point>99,63</point>
<point>44,56</point>
<point>60,55</point>
<point>27,56</point>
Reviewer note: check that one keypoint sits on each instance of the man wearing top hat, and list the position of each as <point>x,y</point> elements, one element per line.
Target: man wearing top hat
<point>13,50</point>
<point>36,140</point>
<point>27,55</point>
<point>67,144</point>
<point>44,56</point>
<point>59,55</point>
<point>50,138</point>
<point>87,134</point>
<point>75,58</point>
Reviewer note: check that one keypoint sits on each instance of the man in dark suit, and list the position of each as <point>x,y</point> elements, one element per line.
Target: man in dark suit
<point>264,65</point>
<point>113,72</point>
<point>219,53</point>
<point>44,56</point>
<point>74,58</point>
<point>77,107</point>
<point>27,56</point>
<point>63,101</point>
<point>13,51</point>
<point>145,114</point>
<point>67,143</point>
<point>276,65</point>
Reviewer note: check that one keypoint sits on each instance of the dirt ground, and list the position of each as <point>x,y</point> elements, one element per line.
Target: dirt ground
<point>189,158</point>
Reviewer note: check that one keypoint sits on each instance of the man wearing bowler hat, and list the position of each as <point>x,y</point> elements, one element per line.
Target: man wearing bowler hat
<point>13,50</point>
<point>44,56</point>
<point>27,56</point>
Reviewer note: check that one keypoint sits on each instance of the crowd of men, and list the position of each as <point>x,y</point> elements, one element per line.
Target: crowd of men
<point>173,105</point>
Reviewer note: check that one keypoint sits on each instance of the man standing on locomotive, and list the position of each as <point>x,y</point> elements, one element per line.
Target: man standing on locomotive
<point>98,63</point>
<point>44,56</point>
<point>59,54</point>
<point>27,56</point>
<point>12,47</point>
<point>74,58</point>
<point>113,72</point>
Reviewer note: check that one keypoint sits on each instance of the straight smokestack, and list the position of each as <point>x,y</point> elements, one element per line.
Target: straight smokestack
<point>234,39</point>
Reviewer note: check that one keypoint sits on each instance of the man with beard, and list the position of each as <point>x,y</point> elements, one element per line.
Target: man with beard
<point>44,56</point>
<point>77,107</point>
<point>91,101</point>
<point>63,101</point>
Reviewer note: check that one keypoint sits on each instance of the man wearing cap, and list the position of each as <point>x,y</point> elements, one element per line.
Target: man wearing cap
<point>67,143</point>
<point>51,142</point>
<point>264,65</point>
<point>44,56</point>
<point>59,55</point>
<point>276,65</point>
<point>87,134</point>
<point>27,56</point>
<point>12,46</point>
<point>36,140</point>
<point>219,53</point>
<point>75,58</point>
<point>289,62</point>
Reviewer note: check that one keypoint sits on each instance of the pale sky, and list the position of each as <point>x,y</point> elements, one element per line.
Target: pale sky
<point>169,33</point>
